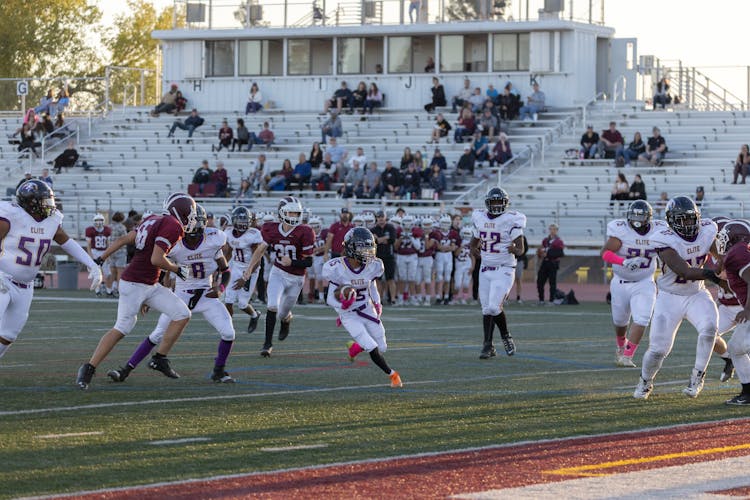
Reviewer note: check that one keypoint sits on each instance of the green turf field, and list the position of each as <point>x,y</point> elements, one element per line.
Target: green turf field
<point>561,382</point>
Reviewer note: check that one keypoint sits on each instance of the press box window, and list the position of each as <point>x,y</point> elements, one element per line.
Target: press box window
<point>220,58</point>
<point>260,57</point>
<point>309,56</point>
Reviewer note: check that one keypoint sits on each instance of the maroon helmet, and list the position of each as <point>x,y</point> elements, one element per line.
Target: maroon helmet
<point>182,207</point>
<point>734,231</point>
<point>720,221</point>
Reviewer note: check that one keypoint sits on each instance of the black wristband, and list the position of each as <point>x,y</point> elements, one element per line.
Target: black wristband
<point>302,263</point>
<point>709,274</point>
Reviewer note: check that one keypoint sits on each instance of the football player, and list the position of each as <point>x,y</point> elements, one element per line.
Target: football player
<point>425,263</point>
<point>201,251</point>
<point>241,241</point>
<point>407,245</point>
<point>154,238</point>
<point>97,238</point>
<point>291,244</point>
<point>633,257</point>
<point>448,241</point>
<point>464,266</point>
<point>353,293</point>
<point>27,229</point>
<point>317,283</point>
<point>682,249</point>
<point>497,238</point>
<point>731,243</point>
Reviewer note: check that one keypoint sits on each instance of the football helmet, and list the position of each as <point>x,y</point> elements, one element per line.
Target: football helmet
<point>639,216</point>
<point>466,233</point>
<point>734,231</point>
<point>496,201</point>
<point>36,198</point>
<point>241,219</point>
<point>369,219</point>
<point>417,232</point>
<point>445,223</point>
<point>224,220</point>
<point>427,224</point>
<point>358,221</point>
<point>269,218</point>
<point>359,244</point>
<point>182,207</point>
<point>316,224</point>
<point>720,221</point>
<point>306,214</point>
<point>200,222</point>
<point>288,207</point>
<point>99,222</point>
<point>407,222</point>
<point>683,217</point>
<point>395,220</point>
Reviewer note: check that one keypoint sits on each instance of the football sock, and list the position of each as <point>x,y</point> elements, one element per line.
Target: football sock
<point>355,349</point>
<point>3,348</point>
<point>620,342</point>
<point>225,346</point>
<point>141,352</point>
<point>250,310</point>
<point>502,324</point>
<point>109,290</point>
<point>379,360</point>
<point>630,348</point>
<point>745,388</point>
<point>489,325</point>
<point>270,325</point>
<point>518,297</point>
<point>115,285</point>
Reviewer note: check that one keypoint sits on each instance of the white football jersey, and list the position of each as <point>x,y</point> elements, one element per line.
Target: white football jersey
<point>464,254</point>
<point>201,260</point>
<point>694,253</point>
<point>27,242</point>
<point>338,273</point>
<point>635,244</point>
<point>497,234</point>
<point>242,247</point>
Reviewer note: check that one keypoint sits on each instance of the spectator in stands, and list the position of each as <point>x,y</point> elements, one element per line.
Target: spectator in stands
<point>463,96</point>
<point>28,140</point>
<point>359,96</point>
<point>488,123</point>
<point>30,118</point>
<point>63,100</point>
<point>332,127</point>
<point>465,165</point>
<point>441,129</point>
<point>225,137</point>
<point>661,203</point>
<point>220,179</point>
<point>374,98</point>
<point>265,137</point>
<point>661,96</point>
<point>26,177</point>
<point>742,164</point>
<point>589,143</point>
<point>620,190</point>
<point>324,175</point>
<point>549,254</point>
<point>429,67</point>
<point>302,173</point>
<point>438,159</point>
<point>67,158</point>
<point>481,147</point>
<point>411,184</point>
<point>438,96</point>
<point>634,150</point>
<point>180,102</point>
<point>47,125</point>
<point>280,178</point>
<point>202,176</point>
<point>254,100</point>
<point>420,162</point>
<point>168,102</point>
<point>437,182</point>
<point>191,123</point>
<point>360,157</point>
<point>492,93</point>
<point>316,155</point>
<point>656,148</point>
<point>243,136</point>
<point>46,103</point>
<point>373,187</point>
<point>414,10</point>
<point>391,180</point>
<point>466,126</point>
<point>637,189</point>
<point>535,104</point>
<point>60,128</point>
<point>406,159</point>
<point>244,194</point>
<point>353,182</point>
<point>700,197</point>
<point>501,153</point>
<point>342,97</point>
<point>46,177</point>
<point>258,173</point>
<point>477,100</point>
<point>508,103</point>
<point>610,142</point>
<point>378,69</point>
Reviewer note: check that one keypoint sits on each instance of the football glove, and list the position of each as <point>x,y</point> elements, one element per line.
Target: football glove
<point>183,272</point>
<point>95,275</point>
<point>99,261</point>
<point>634,263</point>
<point>197,294</point>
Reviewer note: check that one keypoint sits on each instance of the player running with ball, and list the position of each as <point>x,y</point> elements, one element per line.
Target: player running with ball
<point>353,293</point>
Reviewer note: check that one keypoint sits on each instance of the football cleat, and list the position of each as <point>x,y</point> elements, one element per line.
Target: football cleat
<point>222,377</point>
<point>396,380</point>
<point>120,374</point>
<point>643,389</point>
<point>695,386</point>
<point>253,324</point>
<point>266,351</point>
<point>510,346</point>
<point>85,374</point>
<point>625,361</point>
<point>349,350</point>
<point>162,365</point>
<point>488,352</point>
<point>284,328</point>
<point>728,371</point>
<point>741,399</point>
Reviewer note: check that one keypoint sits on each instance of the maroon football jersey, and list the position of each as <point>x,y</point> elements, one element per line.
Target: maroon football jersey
<point>157,230</point>
<point>406,247</point>
<point>296,244</point>
<point>320,241</point>
<point>737,260</point>
<point>99,240</point>
<point>338,230</point>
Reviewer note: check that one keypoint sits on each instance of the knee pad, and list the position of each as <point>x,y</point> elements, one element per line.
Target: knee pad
<point>227,335</point>
<point>125,326</point>
<point>658,353</point>
<point>491,310</point>
<point>640,320</point>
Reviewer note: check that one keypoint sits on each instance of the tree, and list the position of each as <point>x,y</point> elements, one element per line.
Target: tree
<point>473,10</point>
<point>256,13</point>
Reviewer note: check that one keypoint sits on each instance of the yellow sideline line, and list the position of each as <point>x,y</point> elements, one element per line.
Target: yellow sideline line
<point>581,470</point>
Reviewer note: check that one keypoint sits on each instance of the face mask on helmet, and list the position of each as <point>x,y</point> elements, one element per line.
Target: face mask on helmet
<point>496,201</point>
<point>200,225</point>
<point>407,222</point>
<point>639,217</point>
<point>358,221</point>
<point>445,224</point>
<point>36,198</point>
<point>290,211</point>
<point>359,245</point>
<point>99,222</point>
<point>732,233</point>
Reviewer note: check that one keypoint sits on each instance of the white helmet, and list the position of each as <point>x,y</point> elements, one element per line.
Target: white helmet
<point>358,221</point>
<point>288,206</point>
<point>306,214</point>
<point>466,233</point>
<point>315,223</point>
<point>427,223</point>
<point>395,220</point>
<point>407,222</point>
<point>369,218</point>
<point>99,221</point>
<point>445,223</point>
<point>268,218</point>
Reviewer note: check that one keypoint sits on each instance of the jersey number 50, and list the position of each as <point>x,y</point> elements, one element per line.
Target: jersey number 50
<point>28,260</point>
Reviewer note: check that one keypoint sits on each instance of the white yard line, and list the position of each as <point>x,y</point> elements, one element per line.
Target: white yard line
<point>180,441</point>
<point>294,448</point>
<point>70,434</point>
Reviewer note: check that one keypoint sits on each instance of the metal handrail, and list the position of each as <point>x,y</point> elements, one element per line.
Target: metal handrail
<point>615,90</point>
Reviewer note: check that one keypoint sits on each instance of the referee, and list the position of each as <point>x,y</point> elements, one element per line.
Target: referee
<point>385,235</point>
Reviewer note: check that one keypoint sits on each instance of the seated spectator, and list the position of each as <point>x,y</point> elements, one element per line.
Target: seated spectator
<point>742,164</point>
<point>302,173</point>
<point>168,102</point>
<point>465,165</point>
<point>438,96</point>
<point>501,153</point>
<point>374,98</point>
<point>280,178</point>
<point>225,137</point>
<point>244,194</point>
<point>481,147</point>
<point>534,104</point>
<point>610,142</point>
<point>508,103</point>
<point>60,128</point>
<point>372,187</point>
<point>406,159</point>
<point>26,177</point>
<point>332,127</point>
<point>589,143</point>
<point>466,126</point>
<point>635,149</point>
<point>191,123</point>
<point>325,173</point>
<point>353,182</point>
<point>63,100</point>
<point>254,100</point>
<point>411,183</point>
<point>420,162</point>
<point>28,139</point>
<point>491,93</point>
<point>437,182</point>
<point>429,67</point>
<point>700,197</point>
<point>637,189</point>
<point>46,177</point>
<point>316,156</point>
<point>656,148</point>
<point>342,97</point>
<point>438,159</point>
<point>180,102</point>
<point>661,96</point>
<point>378,69</point>
<point>203,176</point>
<point>391,180</point>
<point>265,137</point>
<point>338,156</point>
<point>463,96</point>
<point>46,104</point>
<point>620,190</point>
<point>441,129</point>
<point>661,203</point>
<point>47,125</point>
<point>488,123</point>
<point>220,179</point>
<point>360,157</point>
<point>243,136</point>
<point>67,158</point>
<point>359,96</point>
